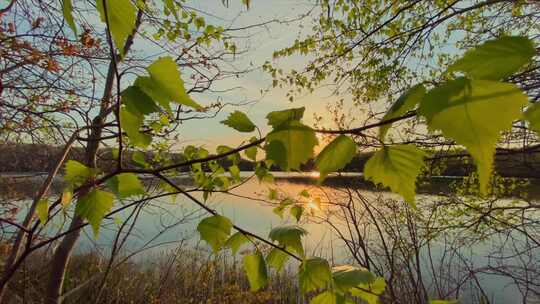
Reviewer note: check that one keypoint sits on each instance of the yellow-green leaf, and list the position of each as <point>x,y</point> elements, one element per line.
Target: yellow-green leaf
<point>443,302</point>
<point>403,104</point>
<point>136,101</point>
<point>166,78</point>
<point>496,59</point>
<point>255,268</point>
<point>335,155</point>
<point>67,10</point>
<point>290,145</point>
<point>76,173</point>
<point>131,123</point>
<point>282,206</point>
<point>215,230</point>
<point>277,259</point>
<point>121,16</point>
<point>251,152</point>
<point>327,297</point>
<point>139,158</point>
<point>297,211</point>
<point>126,185</point>
<point>289,236</point>
<point>396,167</point>
<point>42,210</point>
<point>239,121</point>
<point>67,195</point>
<point>94,206</point>
<point>236,241</point>
<point>277,118</point>
<point>235,173</point>
<point>347,276</point>
<point>314,273</point>
<point>474,113</point>
<point>370,292</point>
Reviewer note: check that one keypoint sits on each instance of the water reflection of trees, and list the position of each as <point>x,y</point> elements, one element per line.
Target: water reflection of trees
<point>447,248</point>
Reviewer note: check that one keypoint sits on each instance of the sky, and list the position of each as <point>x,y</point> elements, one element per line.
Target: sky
<point>262,42</point>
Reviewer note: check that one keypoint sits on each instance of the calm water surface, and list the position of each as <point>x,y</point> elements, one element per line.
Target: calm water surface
<point>165,221</point>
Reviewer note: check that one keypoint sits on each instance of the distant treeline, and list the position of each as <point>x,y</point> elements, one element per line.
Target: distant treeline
<point>41,158</point>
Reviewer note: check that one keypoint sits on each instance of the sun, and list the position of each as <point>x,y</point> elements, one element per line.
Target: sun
<point>311,205</point>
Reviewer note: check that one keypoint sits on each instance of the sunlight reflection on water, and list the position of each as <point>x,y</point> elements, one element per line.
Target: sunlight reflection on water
<point>257,216</point>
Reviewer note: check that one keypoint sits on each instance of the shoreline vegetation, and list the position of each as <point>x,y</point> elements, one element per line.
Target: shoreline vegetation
<point>24,158</point>
<point>185,274</point>
<point>21,185</point>
<point>24,165</point>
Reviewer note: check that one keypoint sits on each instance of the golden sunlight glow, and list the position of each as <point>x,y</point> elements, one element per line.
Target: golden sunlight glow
<point>313,206</point>
<point>314,174</point>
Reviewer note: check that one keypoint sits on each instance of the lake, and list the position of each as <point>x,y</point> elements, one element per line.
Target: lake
<point>167,222</point>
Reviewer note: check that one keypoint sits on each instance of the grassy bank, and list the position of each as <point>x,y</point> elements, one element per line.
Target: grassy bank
<point>181,276</point>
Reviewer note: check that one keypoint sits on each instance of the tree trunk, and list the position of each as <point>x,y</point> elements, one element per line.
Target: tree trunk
<point>20,237</point>
<point>60,262</point>
<point>62,254</point>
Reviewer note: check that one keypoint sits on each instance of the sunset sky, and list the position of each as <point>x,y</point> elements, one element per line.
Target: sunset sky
<point>262,42</point>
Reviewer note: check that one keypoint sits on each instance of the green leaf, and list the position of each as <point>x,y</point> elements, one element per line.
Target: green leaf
<point>290,145</point>
<point>215,230</point>
<point>282,206</point>
<point>272,194</point>
<point>289,236</point>
<point>152,89</point>
<point>329,297</point>
<point>403,104</point>
<point>255,268</point>
<point>335,155</point>
<point>122,15</point>
<point>297,211</point>
<point>76,173</point>
<point>396,167</point>
<point>277,118</point>
<point>126,185</point>
<point>222,149</point>
<point>304,193</point>
<point>94,206</point>
<point>236,241</point>
<point>370,292</point>
<point>67,195</point>
<point>277,259</point>
<point>235,172</point>
<point>239,121</point>
<point>251,152</point>
<point>326,297</point>
<point>136,101</point>
<point>263,174</point>
<point>42,210</point>
<point>139,158</point>
<point>443,302</point>
<point>166,78</point>
<point>131,123</point>
<point>347,276</point>
<point>170,6</point>
<point>199,22</point>
<point>533,116</point>
<point>314,273</point>
<point>67,10</point>
<point>496,59</point>
<point>474,113</point>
